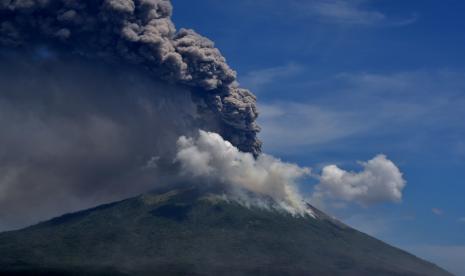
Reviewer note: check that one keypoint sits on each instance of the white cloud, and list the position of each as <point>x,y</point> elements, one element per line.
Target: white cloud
<point>379,181</point>
<point>217,161</point>
<point>461,220</point>
<point>437,212</point>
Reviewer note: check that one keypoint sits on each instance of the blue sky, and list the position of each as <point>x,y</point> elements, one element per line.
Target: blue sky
<point>342,81</point>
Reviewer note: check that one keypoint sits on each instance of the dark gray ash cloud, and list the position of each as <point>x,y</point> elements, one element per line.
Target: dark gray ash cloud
<point>94,95</point>
<point>101,100</point>
<point>76,133</point>
<point>138,32</point>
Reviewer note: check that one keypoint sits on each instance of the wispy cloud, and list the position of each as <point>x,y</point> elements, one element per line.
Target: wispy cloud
<point>290,125</point>
<point>349,12</point>
<point>461,220</point>
<point>257,80</point>
<point>437,211</point>
<point>356,105</point>
<point>361,13</point>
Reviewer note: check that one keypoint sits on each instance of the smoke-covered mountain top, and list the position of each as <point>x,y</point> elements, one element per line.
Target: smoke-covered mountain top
<point>105,99</point>
<point>94,96</point>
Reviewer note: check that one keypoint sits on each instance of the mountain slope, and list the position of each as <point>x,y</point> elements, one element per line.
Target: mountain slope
<point>188,232</point>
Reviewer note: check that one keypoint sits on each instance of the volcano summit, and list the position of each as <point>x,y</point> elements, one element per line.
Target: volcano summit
<point>192,231</point>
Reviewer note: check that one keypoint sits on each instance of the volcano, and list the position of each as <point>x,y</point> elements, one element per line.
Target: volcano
<point>197,232</point>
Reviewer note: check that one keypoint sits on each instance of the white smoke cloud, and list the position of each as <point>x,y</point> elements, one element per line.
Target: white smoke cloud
<point>380,181</point>
<point>217,161</point>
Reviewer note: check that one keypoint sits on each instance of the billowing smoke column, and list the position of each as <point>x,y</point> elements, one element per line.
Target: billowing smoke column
<point>138,32</point>
<point>211,159</point>
<point>103,99</point>
<point>94,95</point>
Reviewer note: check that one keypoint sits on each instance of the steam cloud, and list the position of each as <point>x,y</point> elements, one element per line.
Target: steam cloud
<point>211,158</point>
<point>95,94</point>
<point>380,181</point>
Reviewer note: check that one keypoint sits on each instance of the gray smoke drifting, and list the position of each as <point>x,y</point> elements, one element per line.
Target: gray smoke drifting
<point>94,95</point>
<point>76,133</point>
<point>138,32</point>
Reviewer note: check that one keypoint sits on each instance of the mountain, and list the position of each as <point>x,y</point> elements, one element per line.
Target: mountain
<point>192,232</point>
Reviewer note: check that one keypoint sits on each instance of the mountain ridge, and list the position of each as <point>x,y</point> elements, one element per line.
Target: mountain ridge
<point>194,232</point>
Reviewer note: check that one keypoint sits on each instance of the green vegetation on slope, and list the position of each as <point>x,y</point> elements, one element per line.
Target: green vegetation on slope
<point>186,232</point>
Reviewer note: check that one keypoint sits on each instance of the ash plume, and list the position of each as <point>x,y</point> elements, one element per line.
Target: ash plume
<point>138,32</point>
<point>77,133</point>
<point>94,95</point>
<point>101,100</point>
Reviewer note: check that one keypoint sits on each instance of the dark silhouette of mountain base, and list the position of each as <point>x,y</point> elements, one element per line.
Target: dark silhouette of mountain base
<point>189,232</point>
